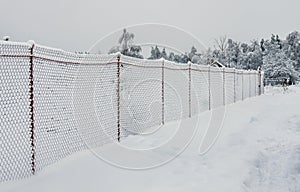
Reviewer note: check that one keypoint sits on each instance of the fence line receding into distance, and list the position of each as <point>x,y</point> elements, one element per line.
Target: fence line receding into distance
<point>52,100</point>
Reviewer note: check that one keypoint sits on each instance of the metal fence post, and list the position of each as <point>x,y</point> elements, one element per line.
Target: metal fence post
<point>234,79</point>
<point>242,72</point>
<point>163,92</point>
<point>262,82</point>
<point>118,97</point>
<point>249,76</point>
<point>190,98</point>
<point>209,91</point>
<point>223,71</point>
<point>31,107</point>
<point>259,81</point>
<point>255,84</point>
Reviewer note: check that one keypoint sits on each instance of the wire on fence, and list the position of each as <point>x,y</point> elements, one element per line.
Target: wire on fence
<point>78,101</point>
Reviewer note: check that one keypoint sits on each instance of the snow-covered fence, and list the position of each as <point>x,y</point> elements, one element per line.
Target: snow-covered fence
<point>54,103</point>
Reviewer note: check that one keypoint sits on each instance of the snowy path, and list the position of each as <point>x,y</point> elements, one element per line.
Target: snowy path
<point>257,150</point>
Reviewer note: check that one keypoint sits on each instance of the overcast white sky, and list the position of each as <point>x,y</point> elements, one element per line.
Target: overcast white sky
<point>75,24</point>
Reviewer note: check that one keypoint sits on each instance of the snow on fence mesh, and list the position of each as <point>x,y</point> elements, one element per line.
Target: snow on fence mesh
<point>54,103</point>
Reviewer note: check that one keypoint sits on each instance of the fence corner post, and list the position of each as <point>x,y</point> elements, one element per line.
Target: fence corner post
<point>31,108</point>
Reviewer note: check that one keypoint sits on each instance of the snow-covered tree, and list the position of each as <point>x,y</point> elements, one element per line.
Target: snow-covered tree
<point>164,54</point>
<point>171,56</point>
<point>125,41</point>
<point>134,51</point>
<point>232,52</point>
<point>280,58</point>
<point>256,59</point>
<point>250,56</point>
<point>155,53</point>
<point>278,66</point>
<point>219,56</point>
<point>193,52</point>
<point>291,48</point>
<point>207,57</point>
<point>184,58</point>
<point>126,46</point>
<point>243,57</point>
<point>196,59</point>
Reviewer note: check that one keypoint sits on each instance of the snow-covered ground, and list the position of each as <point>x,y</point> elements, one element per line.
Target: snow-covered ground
<point>258,150</point>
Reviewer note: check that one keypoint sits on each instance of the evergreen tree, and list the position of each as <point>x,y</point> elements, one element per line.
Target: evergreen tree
<point>232,53</point>
<point>256,59</point>
<point>157,54</point>
<point>164,54</point>
<point>291,48</point>
<point>171,57</point>
<point>152,53</point>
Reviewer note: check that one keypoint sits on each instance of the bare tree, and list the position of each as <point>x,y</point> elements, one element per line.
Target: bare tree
<point>221,43</point>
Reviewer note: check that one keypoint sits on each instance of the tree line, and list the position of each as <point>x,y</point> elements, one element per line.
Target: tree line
<point>278,58</point>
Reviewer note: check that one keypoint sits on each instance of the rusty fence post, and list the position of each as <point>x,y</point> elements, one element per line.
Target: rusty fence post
<point>118,97</point>
<point>262,82</point>
<point>209,91</point>
<point>190,86</point>
<point>31,107</point>
<point>223,72</point>
<point>259,81</point>
<point>163,92</point>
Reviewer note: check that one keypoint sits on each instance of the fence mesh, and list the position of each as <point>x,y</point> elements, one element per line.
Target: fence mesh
<point>216,87</point>
<point>15,144</point>
<point>239,85</point>
<point>54,103</point>
<point>55,129</point>
<point>141,94</point>
<point>176,80</point>
<point>229,85</point>
<point>200,89</point>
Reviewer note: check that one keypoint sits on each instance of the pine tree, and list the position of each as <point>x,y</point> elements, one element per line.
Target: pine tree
<point>164,54</point>
<point>157,53</point>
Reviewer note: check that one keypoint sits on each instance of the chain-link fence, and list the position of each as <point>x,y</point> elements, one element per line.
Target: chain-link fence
<point>54,103</point>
